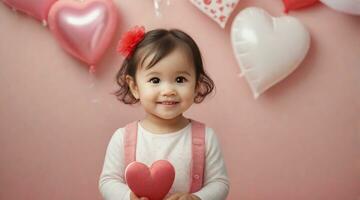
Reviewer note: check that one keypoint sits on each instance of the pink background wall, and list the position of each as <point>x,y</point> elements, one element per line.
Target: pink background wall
<point>300,141</point>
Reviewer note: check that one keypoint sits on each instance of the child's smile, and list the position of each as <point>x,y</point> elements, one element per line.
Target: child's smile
<point>168,103</point>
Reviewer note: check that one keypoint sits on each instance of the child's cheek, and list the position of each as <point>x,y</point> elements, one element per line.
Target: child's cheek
<point>188,94</point>
<point>151,91</point>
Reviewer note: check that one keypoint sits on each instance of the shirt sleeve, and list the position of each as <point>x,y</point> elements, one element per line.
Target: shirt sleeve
<point>111,183</point>
<point>216,181</point>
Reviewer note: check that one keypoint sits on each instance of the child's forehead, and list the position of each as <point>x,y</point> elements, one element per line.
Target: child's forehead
<point>179,59</point>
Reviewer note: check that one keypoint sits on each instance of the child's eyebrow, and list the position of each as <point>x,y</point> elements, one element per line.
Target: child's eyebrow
<point>183,72</point>
<point>152,74</point>
<point>157,73</point>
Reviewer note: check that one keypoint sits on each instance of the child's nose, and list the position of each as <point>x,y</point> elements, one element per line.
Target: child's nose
<point>168,89</point>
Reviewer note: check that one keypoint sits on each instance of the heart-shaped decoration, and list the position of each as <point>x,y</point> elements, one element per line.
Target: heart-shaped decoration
<point>154,182</point>
<point>218,10</point>
<point>267,48</point>
<point>38,9</point>
<point>298,4</point>
<point>84,29</point>
<point>346,6</point>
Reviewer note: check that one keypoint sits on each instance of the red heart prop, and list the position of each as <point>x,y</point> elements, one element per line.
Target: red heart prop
<point>154,182</point>
<point>297,4</point>
<point>84,29</point>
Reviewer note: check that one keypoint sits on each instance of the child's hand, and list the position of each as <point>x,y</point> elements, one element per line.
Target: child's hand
<point>134,197</point>
<point>183,196</point>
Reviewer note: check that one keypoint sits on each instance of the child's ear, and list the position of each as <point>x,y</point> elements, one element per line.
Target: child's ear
<point>132,85</point>
<point>197,87</point>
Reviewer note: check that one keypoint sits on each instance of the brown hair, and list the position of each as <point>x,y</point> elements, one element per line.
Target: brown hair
<point>162,42</point>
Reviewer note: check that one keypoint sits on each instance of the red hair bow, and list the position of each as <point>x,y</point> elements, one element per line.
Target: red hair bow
<point>129,40</point>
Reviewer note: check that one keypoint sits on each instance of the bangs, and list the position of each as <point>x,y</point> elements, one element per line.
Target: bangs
<point>157,51</point>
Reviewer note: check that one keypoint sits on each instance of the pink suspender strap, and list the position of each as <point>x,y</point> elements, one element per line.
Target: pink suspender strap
<point>198,156</point>
<point>130,139</point>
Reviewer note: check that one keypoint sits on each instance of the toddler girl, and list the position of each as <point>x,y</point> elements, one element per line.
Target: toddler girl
<point>163,71</point>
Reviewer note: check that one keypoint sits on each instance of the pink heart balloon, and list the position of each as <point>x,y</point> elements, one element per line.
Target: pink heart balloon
<point>154,182</point>
<point>38,9</point>
<point>84,29</point>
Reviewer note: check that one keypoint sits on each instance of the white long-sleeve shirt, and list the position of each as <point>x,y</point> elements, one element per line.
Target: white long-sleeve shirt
<point>174,147</point>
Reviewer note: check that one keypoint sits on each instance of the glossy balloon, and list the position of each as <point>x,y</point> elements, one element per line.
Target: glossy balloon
<point>346,6</point>
<point>298,4</point>
<point>38,9</point>
<point>267,48</point>
<point>84,29</point>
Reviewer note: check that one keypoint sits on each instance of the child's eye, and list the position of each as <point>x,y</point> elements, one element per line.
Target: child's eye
<point>154,80</point>
<point>181,79</point>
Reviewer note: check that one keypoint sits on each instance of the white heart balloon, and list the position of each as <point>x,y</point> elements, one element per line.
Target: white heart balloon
<point>347,6</point>
<point>267,48</point>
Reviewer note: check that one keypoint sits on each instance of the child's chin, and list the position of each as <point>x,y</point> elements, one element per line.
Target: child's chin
<point>168,117</point>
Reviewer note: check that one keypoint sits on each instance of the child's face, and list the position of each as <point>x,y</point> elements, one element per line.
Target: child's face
<point>167,89</point>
